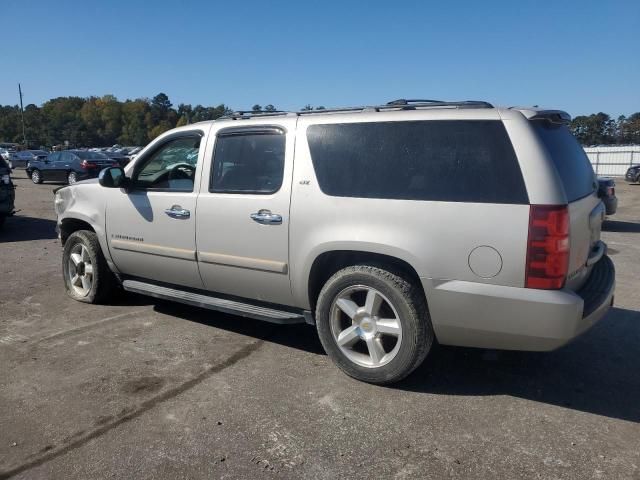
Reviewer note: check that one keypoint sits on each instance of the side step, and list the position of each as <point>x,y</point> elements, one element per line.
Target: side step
<point>214,303</point>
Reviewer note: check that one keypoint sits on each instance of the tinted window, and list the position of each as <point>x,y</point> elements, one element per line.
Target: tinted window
<point>172,166</point>
<point>91,155</point>
<point>574,168</point>
<point>65,157</point>
<point>53,157</point>
<point>248,163</point>
<point>455,161</point>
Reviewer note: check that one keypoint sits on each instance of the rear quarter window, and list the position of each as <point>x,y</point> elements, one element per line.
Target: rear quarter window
<point>453,161</point>
<point>572,164</point>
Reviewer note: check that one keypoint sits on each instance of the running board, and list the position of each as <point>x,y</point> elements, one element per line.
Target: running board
<point>214,303</point>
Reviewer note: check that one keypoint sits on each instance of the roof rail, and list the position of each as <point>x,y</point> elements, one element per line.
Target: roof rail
<point>440,103</point>
<point>401,104</point>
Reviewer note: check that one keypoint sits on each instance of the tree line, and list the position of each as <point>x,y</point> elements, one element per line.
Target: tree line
<point>104,121</point>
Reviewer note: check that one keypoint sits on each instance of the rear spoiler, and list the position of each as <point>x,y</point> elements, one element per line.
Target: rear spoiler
<point>553,116</point>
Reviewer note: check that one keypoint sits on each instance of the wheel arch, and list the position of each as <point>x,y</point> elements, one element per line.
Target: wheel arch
<point>72,224</point>
<point>329,262</point>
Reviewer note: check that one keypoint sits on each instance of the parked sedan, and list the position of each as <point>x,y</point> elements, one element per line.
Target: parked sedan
<point>121,159</point>
<point>24,158</point>
<point>607,193</point>
<point>633,174</point>
<point>69,166</point>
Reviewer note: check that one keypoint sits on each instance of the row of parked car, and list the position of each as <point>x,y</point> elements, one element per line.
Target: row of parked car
<point>68,166</point>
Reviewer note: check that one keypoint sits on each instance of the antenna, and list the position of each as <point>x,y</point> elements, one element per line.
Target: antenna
<point>24,131</point>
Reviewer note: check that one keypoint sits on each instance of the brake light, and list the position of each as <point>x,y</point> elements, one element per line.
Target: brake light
<point>85,165</point>
<point>547,247</point>
<point>611,191</point>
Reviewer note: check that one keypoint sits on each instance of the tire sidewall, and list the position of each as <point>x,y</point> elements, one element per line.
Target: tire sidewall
<point>73,240</point>
<point>412,331</point>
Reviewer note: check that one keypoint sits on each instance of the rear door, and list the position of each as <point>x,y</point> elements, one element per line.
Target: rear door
<point>46,167</point>
<point>586,211</point>
<point>243,211</point>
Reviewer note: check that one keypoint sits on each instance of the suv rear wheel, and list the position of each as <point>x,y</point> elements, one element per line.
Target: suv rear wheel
<point>374,324</point>
<point>87,277</point>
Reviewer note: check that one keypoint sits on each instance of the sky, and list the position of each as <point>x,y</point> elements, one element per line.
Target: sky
<point>580,56</point>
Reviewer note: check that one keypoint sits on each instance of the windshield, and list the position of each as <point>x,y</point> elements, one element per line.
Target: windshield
<point>572,164</point>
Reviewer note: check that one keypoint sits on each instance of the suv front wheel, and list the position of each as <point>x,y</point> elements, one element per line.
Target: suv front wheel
<point>87,277</point>
<point>374,324</point>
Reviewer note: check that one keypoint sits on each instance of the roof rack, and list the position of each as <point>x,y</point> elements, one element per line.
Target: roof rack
<point>400,104</point>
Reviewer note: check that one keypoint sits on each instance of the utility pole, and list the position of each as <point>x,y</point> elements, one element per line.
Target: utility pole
<point>24,131</point>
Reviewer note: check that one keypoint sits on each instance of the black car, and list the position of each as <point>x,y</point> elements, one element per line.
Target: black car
<point>70,166</point>
<point>633,174</point>
<point>24,158</point>
<point>607,193</point>
<point>7,193</point>
<point>121,159</point>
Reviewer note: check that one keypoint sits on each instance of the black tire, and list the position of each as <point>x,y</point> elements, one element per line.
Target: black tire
<point>103,282</point>
<point>36,176</point>
<point>72,178</point>
<point>411,306</point>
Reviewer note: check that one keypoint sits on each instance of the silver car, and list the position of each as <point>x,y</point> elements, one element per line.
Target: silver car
<point>386,227</point>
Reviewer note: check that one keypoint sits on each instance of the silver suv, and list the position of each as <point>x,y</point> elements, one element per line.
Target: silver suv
<point>387,227</point>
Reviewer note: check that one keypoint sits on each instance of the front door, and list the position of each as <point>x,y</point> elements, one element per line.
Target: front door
<point>243,212</point>
<point>151,227</point>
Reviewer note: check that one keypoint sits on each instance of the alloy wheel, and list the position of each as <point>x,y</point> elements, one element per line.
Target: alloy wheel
<point>80,270</point>
<point>365,325</point>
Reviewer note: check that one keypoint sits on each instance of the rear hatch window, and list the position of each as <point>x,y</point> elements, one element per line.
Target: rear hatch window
<point>572,164</point>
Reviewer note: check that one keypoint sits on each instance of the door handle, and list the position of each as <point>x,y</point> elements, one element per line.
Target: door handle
<point>177,211</point>
<point>266,217</point>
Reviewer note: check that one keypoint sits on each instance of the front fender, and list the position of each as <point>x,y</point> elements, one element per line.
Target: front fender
<point>85,202</point>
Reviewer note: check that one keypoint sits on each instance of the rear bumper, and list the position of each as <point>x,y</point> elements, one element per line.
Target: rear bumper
<point>493,316</point>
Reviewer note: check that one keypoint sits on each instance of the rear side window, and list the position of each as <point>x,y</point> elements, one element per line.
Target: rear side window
<point>248,162</point>
<point>453,161</point>
<point>572,164</point>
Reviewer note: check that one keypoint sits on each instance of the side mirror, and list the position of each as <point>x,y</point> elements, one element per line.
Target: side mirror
<point>112,177</point>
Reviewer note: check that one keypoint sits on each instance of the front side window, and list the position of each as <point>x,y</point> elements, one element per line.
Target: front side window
<point>171,167</point>
<point>251,162</point>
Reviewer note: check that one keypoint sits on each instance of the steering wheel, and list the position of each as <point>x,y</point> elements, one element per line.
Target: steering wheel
<point>182,170</point>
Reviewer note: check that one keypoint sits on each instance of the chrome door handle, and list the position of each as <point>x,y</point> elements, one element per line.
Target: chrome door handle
<point>177,211</point>
<point>266,217</point>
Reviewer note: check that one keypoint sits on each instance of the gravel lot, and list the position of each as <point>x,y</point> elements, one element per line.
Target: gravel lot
<point>146,389</point>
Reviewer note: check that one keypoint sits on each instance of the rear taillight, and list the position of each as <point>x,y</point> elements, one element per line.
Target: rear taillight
<point>85,165</point>
<point>611,191</point>
<point>548,247</point>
